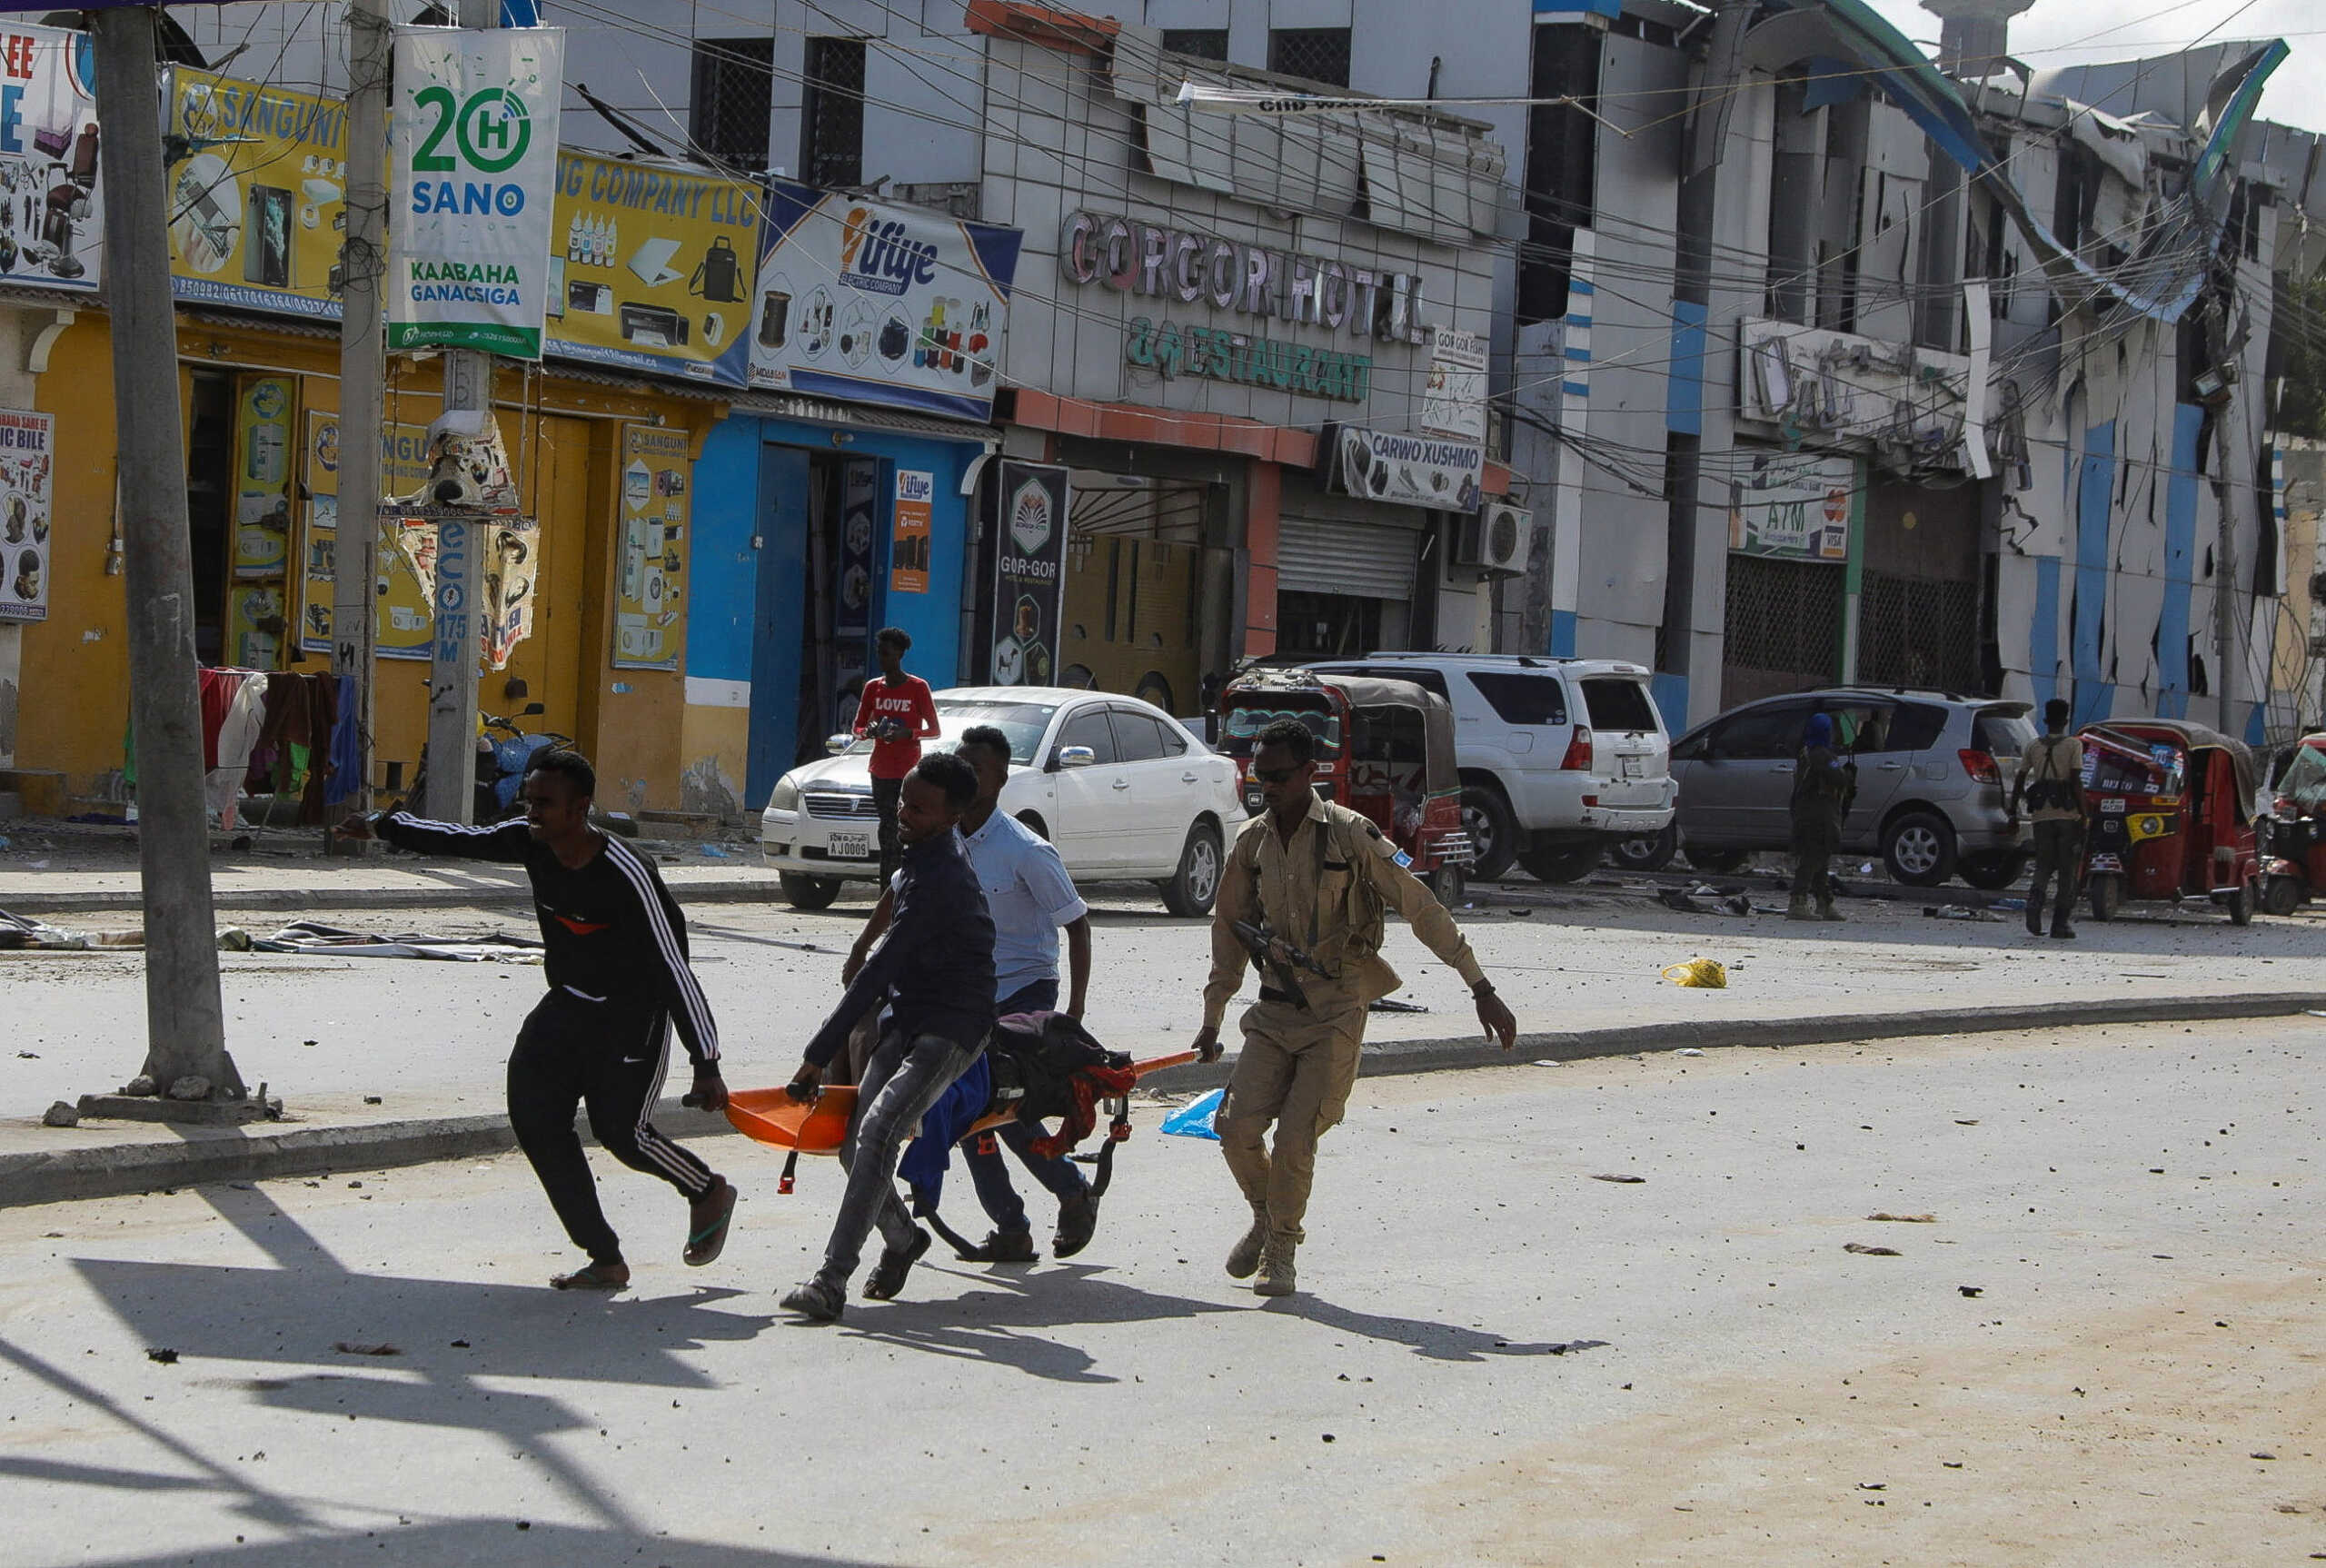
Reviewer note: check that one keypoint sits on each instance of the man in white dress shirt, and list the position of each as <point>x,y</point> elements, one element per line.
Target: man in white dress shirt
<point>1030,898</point>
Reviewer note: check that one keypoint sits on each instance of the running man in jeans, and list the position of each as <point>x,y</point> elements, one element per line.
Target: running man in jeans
<point>616,958</point>
<point>898,713</point>
<point>934,969</point>
<point>1029,896</point>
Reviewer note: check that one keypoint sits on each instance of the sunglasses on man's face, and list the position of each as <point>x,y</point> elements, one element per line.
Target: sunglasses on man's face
<point>1276,775</point>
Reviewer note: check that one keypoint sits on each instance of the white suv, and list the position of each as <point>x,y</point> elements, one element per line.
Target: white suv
<point>1560,757</point>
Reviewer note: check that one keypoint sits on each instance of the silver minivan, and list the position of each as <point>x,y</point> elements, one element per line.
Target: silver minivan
<point>1933,777</point>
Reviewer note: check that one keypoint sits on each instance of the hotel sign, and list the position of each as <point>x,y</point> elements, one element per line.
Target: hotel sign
<point>1195,268</point>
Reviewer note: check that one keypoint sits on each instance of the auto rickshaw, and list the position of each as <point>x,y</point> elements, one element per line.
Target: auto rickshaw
<point>2293,850</point>
<point>1385,748</point>
<point>2169,811</point>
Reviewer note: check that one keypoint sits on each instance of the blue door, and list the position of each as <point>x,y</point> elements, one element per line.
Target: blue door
<point>777,618</point>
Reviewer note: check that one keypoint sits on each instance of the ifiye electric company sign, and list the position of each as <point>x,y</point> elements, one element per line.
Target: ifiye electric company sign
<point>881,304</point>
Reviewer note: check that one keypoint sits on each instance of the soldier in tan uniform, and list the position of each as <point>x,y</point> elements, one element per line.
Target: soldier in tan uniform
<point>1321,877</point>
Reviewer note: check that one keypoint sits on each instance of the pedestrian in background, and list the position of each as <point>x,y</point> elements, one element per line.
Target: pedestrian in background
<point>1824,782</point>
<point>2051,783</point>
<point>898,713</point>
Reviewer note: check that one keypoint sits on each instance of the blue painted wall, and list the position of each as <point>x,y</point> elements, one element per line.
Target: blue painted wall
<point>2180,568</point>
<point>746,619</point>
<point>1671,694</point>
<point>2094,698</point>
<point>2044,636</point>
<point>719,618</point>
<point>1562,634</point>
<point>1683,405</point>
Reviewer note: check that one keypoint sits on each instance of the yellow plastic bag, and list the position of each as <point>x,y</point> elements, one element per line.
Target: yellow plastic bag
<point>1706,973</point>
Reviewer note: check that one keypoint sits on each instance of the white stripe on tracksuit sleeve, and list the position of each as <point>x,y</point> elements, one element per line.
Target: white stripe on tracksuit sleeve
<point>689,1006</point>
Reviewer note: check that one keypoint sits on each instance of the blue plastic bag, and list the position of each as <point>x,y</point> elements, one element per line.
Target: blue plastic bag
<point>1194,1121</point>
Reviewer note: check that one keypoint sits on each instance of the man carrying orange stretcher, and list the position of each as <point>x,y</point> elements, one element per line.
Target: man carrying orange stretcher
<point>934,969</point>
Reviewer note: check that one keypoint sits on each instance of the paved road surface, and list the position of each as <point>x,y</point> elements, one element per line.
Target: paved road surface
<point>1498,1358</point>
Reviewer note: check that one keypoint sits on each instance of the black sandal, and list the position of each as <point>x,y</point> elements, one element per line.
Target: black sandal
<point>594,1276</point>
<point>889,1274</point>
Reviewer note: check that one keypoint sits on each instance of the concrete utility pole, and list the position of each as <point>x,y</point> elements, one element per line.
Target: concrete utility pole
<point>460,580</point>
<point>362,391</point>
<point>185,1026</point>
<point>1706,140</point>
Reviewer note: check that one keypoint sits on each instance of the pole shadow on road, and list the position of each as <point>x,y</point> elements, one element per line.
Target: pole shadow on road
<point>494,1540</point>
<point>448,1335</point>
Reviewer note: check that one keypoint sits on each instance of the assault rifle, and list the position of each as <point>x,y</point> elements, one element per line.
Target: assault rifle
<point>1278,959</point>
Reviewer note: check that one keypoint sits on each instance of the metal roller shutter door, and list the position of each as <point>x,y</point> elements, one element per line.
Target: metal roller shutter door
<point>1368,559</point>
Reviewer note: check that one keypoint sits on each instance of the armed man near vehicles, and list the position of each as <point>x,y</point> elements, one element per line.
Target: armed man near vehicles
<point>2051,785</point>
<point>1303,899</point>
<point>615,956</point>
<point>1824,782</point>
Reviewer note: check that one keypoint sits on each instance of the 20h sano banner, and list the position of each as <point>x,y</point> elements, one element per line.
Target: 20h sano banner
<point>473,161</point>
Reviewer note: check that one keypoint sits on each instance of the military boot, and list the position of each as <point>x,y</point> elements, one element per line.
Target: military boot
<point>1276,1268</point>
<point>2034,915</point>
<point>1825,910</point>
<point>1798,907</point>
<point>1245,1255</point>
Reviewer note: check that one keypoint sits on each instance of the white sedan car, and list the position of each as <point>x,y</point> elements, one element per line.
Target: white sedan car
<point>1119,786</point>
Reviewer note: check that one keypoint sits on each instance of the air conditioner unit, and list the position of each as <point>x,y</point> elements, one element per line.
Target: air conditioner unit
<point>1495,540</point>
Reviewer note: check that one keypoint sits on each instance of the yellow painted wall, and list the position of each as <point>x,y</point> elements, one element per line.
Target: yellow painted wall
<point>564,439</point>
<point>74,706</point>
<point>714,751</point>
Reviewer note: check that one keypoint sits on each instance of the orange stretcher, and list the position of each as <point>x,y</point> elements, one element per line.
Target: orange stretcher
<point>819,1127</point>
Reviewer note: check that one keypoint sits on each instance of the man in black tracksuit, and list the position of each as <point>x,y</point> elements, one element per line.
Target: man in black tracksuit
<point>617,967</point>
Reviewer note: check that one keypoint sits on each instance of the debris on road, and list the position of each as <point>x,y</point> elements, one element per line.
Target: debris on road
<point>1864,1251</point>
<point>1391,1005</point>
<point>311,937</point>
<point>1960,912</point>
<point>61,1114</point>
<point>1904,1218</point>
<point>1628,1180</point>
<point>1972,1290</point>
<point>347,1347</point>
<point>1704,973</point>
<point>1193,1120</point>
<point>19,931</point>
<point>163,1354</point>
<point>1690,1051</point>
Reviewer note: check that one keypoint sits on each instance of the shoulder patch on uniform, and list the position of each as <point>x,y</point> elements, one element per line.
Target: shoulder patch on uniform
<point>1403,860</point>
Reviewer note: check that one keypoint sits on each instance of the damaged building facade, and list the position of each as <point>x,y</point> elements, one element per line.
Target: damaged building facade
<point>1808,359</point>
<point>1857,370</point>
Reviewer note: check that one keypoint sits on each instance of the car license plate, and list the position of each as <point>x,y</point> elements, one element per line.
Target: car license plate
<point>1634,766</point>
<point>850,846</point>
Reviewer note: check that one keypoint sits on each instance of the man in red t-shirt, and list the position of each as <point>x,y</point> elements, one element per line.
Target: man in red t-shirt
<point>898,712</point>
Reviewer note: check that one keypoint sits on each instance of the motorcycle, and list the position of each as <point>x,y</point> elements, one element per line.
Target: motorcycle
<point>504,755</point>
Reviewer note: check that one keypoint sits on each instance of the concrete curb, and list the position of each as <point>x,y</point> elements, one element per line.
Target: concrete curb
<point>1390,1057</point>
<point>260,1152</point>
